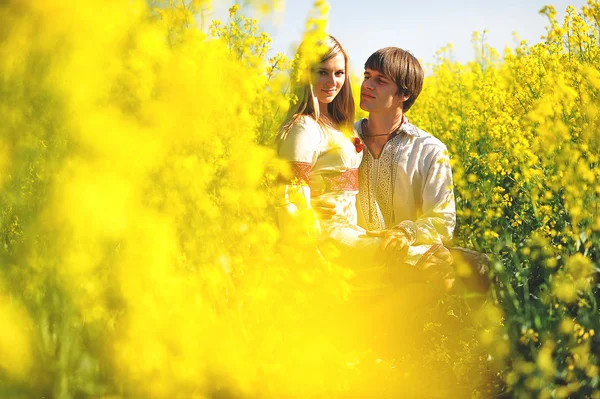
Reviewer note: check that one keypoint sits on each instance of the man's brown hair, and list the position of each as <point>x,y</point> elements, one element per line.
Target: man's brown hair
<point>403,68</point>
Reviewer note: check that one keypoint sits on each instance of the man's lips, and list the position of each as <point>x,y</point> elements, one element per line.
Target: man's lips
<point>366,95</point>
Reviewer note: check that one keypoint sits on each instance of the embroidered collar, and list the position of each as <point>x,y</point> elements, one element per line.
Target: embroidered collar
<point>410,129</point>
<point>406,127</point>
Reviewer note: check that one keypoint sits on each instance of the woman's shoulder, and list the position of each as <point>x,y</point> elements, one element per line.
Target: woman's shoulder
<point>302,131</point>
<point>307,122</point>
<point>301,140</point>
<point>306,125</point>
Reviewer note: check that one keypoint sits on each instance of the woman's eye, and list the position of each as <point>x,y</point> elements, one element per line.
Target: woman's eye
<point>339,73</point>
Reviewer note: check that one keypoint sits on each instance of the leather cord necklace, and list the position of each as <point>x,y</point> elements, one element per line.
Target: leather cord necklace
<point>365,127</point>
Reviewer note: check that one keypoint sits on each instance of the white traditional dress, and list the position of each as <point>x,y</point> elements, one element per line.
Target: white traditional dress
<point>329,160</point>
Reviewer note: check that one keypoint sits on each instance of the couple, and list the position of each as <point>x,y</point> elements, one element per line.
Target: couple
<point>387,186</point>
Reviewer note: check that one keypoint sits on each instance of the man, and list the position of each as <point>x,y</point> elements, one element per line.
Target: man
<point>406,198</point>
<point>405,180</point>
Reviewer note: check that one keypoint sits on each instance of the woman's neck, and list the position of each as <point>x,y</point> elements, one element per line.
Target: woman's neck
<point>323,110</point>
<point>325,116</point>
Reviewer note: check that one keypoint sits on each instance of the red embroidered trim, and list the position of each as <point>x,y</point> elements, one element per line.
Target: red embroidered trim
<point>345,181</point>
<point>301,171</point>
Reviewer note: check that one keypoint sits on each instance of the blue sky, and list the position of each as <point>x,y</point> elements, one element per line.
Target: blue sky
<point>422,27</point>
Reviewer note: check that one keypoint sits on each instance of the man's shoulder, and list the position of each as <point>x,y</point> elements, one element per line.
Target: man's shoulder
<point>426,139</point>
<point>358,125</point>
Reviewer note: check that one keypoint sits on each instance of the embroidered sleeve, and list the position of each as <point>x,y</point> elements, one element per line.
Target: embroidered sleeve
<point>301,171</point>
<point>300,147</point>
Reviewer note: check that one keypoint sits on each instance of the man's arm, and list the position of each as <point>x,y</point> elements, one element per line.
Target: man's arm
<point>438,218</point>
<point>436,223</point>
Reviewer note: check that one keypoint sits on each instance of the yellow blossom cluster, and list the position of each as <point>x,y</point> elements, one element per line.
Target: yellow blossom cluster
<point>522,131</point>
<point>140,254</point>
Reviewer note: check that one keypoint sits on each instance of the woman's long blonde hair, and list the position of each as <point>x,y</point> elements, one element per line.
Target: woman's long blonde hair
<point>341,109</point>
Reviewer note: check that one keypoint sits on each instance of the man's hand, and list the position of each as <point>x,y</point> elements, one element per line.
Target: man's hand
<point>438,269</point>
<point>324,209</point>
<point>394,245</point>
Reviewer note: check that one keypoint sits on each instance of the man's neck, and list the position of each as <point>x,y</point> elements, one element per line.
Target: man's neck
<point>379,131</point>
<point>381,124</point>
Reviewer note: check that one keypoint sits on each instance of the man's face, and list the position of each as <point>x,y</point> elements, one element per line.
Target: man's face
<point>379,93</point>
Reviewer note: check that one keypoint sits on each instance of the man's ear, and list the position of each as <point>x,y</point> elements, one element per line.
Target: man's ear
<point>401,98</point>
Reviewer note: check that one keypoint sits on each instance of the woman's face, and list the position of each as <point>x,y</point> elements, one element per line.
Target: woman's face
<point>329,78</point>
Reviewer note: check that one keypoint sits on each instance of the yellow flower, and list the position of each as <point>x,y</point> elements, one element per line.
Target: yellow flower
<point>233,10</point>
<point>579,266</point>
<point>566,326</point>
<point>564,289</point>
<point>544,360</point>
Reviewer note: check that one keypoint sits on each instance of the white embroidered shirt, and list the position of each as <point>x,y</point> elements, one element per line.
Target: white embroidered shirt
<point>409,187</point>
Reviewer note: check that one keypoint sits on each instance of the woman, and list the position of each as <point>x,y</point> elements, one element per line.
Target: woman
<point>321,154</point>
